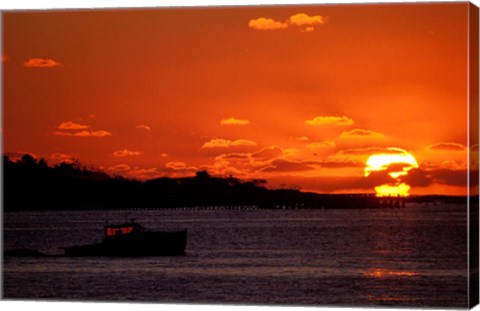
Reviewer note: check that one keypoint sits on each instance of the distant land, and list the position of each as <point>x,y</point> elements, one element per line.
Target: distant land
<point>32,184</point>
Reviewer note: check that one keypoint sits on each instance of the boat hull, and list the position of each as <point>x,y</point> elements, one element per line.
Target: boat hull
<point>135,245</point>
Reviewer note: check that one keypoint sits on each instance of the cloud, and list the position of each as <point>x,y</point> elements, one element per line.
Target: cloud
<point>164,155</point>
<point>243,164</point>
<point>119,168</point>
<point>100,133</point>
<point>331,183</point>
<point>282,165</point>
<point>274,159</point>
<point>178,168</point>
<point>69,125</point>
<point>301,20</point>
<point>339,163</point>
<point>263,23</point>
<point>330,120</point>
<point>225,143</point>
<point>446,146</point>
<point>305,20</point>
<point>267,153</point>
<point>303,138</point>
<point>126,153</point>
<point>72,129</point>
<point>57,133</point>
<point>41,63</point>
<point>360,133</point>
<point>144,173</point>
<point>143,127</point>
<point>450,177</point>
<point>321,145</point>
<point>62,157</point>
<point>417,178</point>
<point>234,121</point>
<point>369,151</point>
<point>172,169</point>
<point>176,165</point>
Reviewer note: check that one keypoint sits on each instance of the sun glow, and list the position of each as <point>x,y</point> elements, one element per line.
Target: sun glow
<point>398,162</point>
<point>387,190</point>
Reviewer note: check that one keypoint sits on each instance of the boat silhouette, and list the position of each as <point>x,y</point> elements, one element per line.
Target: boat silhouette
<point>130,239</point>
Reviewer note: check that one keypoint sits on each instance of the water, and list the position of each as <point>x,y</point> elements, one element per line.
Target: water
<point>403,257</point>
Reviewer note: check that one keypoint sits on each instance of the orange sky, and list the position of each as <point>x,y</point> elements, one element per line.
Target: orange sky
<point>298,95</point>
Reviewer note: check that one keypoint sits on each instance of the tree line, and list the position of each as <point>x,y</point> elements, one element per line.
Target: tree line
<point>33,184</point>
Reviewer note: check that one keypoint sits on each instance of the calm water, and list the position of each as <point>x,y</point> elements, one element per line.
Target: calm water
<point>410,257</point>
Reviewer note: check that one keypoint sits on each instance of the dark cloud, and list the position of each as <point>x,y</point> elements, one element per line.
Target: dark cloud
<point>446,146</point>
<point>282,165</point>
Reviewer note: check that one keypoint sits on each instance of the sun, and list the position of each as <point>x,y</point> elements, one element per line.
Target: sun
<point>399,162</point>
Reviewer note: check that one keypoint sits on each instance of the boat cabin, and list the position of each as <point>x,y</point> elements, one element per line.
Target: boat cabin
<point>123,229</point>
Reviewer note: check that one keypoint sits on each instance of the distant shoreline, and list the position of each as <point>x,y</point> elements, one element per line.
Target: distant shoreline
<point>428,200</point>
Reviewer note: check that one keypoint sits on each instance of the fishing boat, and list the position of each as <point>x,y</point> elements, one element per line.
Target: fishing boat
<point>130,239</point>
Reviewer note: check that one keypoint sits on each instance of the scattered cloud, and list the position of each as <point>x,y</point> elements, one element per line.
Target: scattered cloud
<point>57,133</point>
<point>41,63</point>
<point>339,163</point>
<point>69,125</point>
<point>263,23</point>
<point>303,138</point>
<point>72,129</point>
<point>321,145</point>
<point>120,168</point>
<point>144,173</point>
<point>126,153</point>
<point>179,169</point>
<point>234,121</point>
<point>265,160</point>
<point>369,151</point>
<point>454,165</point>
<point>243,164</point>
<point>267,153</point>
<point>100,133</point>
<point>303,21</point>
<point>283,165</point>
<point>176,165</point>
<point>360,133</point>
<point>225,143</point>
<point>330,120</point>
<point>62,157</point>
<point>446,146</point>
<point>143,127</point>
<point>164,155</point>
